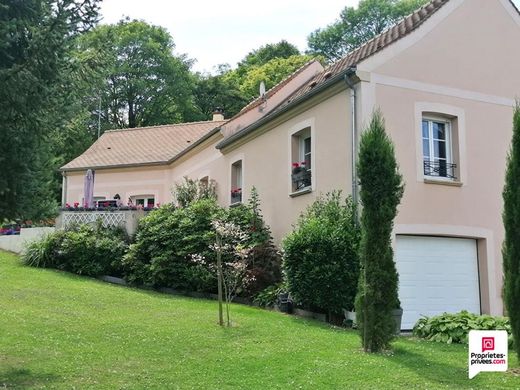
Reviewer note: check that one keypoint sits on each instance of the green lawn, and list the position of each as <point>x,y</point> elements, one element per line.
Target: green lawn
<point>63,331</point>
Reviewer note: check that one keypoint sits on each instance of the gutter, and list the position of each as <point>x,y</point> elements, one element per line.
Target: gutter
<point>313,92</point>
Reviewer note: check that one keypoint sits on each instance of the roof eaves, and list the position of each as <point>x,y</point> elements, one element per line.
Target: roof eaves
<point>113,166</point>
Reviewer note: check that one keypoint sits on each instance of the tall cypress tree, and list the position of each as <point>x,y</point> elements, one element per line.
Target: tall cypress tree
<point>380,194</point>
<point>511,218</point>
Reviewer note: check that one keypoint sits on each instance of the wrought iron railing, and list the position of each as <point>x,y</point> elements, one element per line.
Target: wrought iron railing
<point>301,179</point>
<point>440,168</point>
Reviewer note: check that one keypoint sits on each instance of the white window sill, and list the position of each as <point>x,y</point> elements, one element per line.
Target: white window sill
<point>303,191</point>
<point>235,204</point>
<point>442,181</point>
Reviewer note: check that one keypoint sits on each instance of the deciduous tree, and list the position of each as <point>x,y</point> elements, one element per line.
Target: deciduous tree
<point>356,26</point>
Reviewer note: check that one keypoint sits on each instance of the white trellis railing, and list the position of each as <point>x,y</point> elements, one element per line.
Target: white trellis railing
<point>108,219</point>
<point>124,218</point>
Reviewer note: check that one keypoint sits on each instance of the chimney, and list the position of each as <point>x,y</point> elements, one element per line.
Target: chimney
<point>218,114</point>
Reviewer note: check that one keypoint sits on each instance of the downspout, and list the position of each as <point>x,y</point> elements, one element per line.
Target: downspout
<point>353,100</point>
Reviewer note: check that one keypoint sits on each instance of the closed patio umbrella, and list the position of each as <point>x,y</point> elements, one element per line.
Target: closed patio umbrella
<point>88,189</point>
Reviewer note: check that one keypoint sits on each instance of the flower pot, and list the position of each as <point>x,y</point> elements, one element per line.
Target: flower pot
<point>398,316</point>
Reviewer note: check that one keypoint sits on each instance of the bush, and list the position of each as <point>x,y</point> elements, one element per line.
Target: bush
<point>454,328</point>
<point>164,243</point>
<point>168,239</point>
<point>264,260</point>
<point>44,253</point>
<point>269,296</point>
<point>84,250</point>
<point>320,257</point>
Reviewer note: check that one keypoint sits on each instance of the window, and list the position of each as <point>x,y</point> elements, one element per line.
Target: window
<point>236,182</point>
<point>301,172</point>
<point>143,200</point>
<point>438,148</point>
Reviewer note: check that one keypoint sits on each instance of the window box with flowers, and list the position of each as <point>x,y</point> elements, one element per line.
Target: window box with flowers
<point>300,176</point>
<point>236,195</point>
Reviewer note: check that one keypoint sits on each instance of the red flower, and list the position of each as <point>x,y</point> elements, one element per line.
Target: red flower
<point>76,204</point>
<point>295,165</point>
<point>106,204</point>
<point>67,205</point>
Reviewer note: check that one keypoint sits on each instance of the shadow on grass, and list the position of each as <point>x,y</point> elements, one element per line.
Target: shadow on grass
<point>433,370</point>
<point>21,378</point>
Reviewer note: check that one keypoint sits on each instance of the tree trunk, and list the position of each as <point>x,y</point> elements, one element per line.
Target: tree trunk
<point>219,280</point>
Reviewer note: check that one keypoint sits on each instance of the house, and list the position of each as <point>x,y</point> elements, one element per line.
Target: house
<point>445,79</point>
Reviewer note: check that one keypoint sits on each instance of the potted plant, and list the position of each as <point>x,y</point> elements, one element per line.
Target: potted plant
<point>236,195</point>
<point>300,175</point>
<point>397,314</point>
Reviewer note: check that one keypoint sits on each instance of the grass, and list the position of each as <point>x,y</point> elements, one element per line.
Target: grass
<point>64,331</point>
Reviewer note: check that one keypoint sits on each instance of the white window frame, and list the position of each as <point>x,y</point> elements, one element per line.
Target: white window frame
<point>145,199</point>
<point>232,163</point>
<point>293,132</point>
<point>448,142</point>
<point>434,110</point>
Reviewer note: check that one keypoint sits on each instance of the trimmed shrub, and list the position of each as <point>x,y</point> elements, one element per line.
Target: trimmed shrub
<point>84,250</point>
<point>511,218</point>
<point>264,260</point>
<point>320,256</point>
<point>164,243</point>
<point>169,239</point>
<point>380,194</point>
<point>454,328</point>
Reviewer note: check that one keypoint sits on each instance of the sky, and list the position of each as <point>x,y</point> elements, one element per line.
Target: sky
<point>217,32</point>
<point>225,31</point>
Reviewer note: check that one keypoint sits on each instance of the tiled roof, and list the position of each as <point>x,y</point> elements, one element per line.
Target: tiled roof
<point>332,72</point>
<point>142,145</point>
<point>376,44</point>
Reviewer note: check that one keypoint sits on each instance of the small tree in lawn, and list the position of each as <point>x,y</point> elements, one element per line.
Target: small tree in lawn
<point>232,266</point>
<point>380,194</point>
<point>511,218</point>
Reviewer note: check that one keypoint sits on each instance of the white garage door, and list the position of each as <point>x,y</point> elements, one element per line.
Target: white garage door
<point>436,275</point>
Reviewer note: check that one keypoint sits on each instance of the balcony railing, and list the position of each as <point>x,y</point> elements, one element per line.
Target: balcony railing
<point>440,169</point>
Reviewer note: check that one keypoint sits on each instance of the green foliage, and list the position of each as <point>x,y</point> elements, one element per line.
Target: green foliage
<point>36,39</point>
<point>140,81</point>
<point>454,328</point>
<point>266,53</point>
<point>320,259</point>
<point>84,250</point>
<point>192,190</point>
<point>264,262</point>
<point>380,194</point>
<point>272,72</point>
<point>358,25</point>
<point>164,243</point>
<point>511,218</point>
<point>168,239</point>
<point>43,253</point>
<point>269,296</point>
<point>212,91</point>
